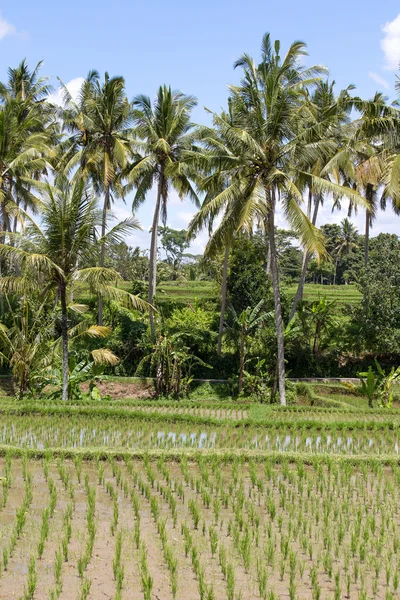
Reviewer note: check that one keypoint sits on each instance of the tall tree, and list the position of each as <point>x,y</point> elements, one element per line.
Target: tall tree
<point>54,254</point>
<point>267,142</point>
<point>27,86</point>
<point>326,113</point>
<point>28,131</point>
<point>212,183</point>
<point>346,243</point>
<point>100,141</point>
<point>363,162</point>
<point>241,327</point>
<point>165,133</point>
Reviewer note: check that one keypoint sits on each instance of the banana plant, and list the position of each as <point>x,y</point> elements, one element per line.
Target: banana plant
<point>78,373</point>
<point>376,386</point>
<point>171,364</point>
<point>240,328</point>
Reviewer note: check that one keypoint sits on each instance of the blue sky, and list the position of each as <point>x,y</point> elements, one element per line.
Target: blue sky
<point>192,46</point>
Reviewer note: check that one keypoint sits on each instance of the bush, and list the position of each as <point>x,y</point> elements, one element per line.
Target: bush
<point>291,393</point>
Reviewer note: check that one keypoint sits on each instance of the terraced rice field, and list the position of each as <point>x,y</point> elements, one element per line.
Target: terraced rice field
<point>136,499</point>
<point>192,290</point>
<point>342,294</point>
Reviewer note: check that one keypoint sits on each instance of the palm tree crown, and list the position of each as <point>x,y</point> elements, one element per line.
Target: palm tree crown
<point>164,134</point>
<point>262,157</point>
<point>100,141</point>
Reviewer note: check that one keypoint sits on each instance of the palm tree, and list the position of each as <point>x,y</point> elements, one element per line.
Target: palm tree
<point>364,160</point>
<point>165,134</point>
<point>329,114</point>
<point>267,142</point>
<point>347,241</point>
<point>100,141</point>
<point>26,342</point>
<point>213,182</point>
<point>53,255</point>
<point>25,84</point>
<point>241,327</point>
<point>28,130</point>
<point>369,132</point>
<point>25,150</point>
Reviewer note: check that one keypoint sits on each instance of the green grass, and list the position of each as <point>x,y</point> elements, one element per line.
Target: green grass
<point>190,290</point>
<point>186,292</point>
<point>342,294</point>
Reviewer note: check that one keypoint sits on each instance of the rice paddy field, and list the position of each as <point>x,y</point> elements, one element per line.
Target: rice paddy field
<point>342,294</point>
<point>205,499</point>
<point>201,291</point>
<point>189,292</point>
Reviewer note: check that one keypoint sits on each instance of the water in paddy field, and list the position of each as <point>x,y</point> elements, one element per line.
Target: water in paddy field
<point>40,435</point>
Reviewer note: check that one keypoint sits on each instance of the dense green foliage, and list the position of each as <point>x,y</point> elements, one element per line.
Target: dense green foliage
<point>74,293</point>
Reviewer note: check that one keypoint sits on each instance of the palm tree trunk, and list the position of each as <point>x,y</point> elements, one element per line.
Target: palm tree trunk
<point>241,361</point>
<point>153,258</point>
<point>316,339</point>
<point>300,288</point>
<point>64,340</point>
<point>277,300</point>
<point>306,259</point>
<point>334,274</point>
<point>223,300</point>
<point>268,265</point>
<point>102,249</point>
<point>15,224</point>
<point>367,226</point>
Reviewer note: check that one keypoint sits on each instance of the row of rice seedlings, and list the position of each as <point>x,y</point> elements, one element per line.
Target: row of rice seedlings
<point>256,481</point>
<point>349,421</point>
<point>47,514</point>
<point>114,496</point>
<point>20,520</point>
<point>327,519</point>
<point>91,524</point>
<point>61,553</point>
<point>296,438</point>
<point>146,578</point>
<point>206,591</point>
<point>293,562</point>
<point>118,568</point>
<point>30,587</point>
<point>6,480</point>
<point>228,406</point>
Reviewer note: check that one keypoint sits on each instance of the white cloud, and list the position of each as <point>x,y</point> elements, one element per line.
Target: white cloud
<point>185,216</point>
<point>6,28</point>
<point>72,86</point>
<point>390,44</point>
<point>379,80</point>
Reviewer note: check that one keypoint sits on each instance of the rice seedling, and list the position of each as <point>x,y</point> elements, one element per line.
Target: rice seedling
<point>30,589</point>
<point>146,578</point>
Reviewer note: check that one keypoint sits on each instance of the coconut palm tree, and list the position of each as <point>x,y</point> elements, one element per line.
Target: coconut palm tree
<point>26,84</point>
<point>240,328</point>
<point>28,130</point>
<point>25,151</point>
<point>99,143</point>
<point>328,114</point>
<point>373,113</point>
<point>267,142</point>
<point>367,161</point>
<point>26,342</point>
<point>346,243</point>
<point>212,182</point>
<point>165,133</point>
<point>53,255</point>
